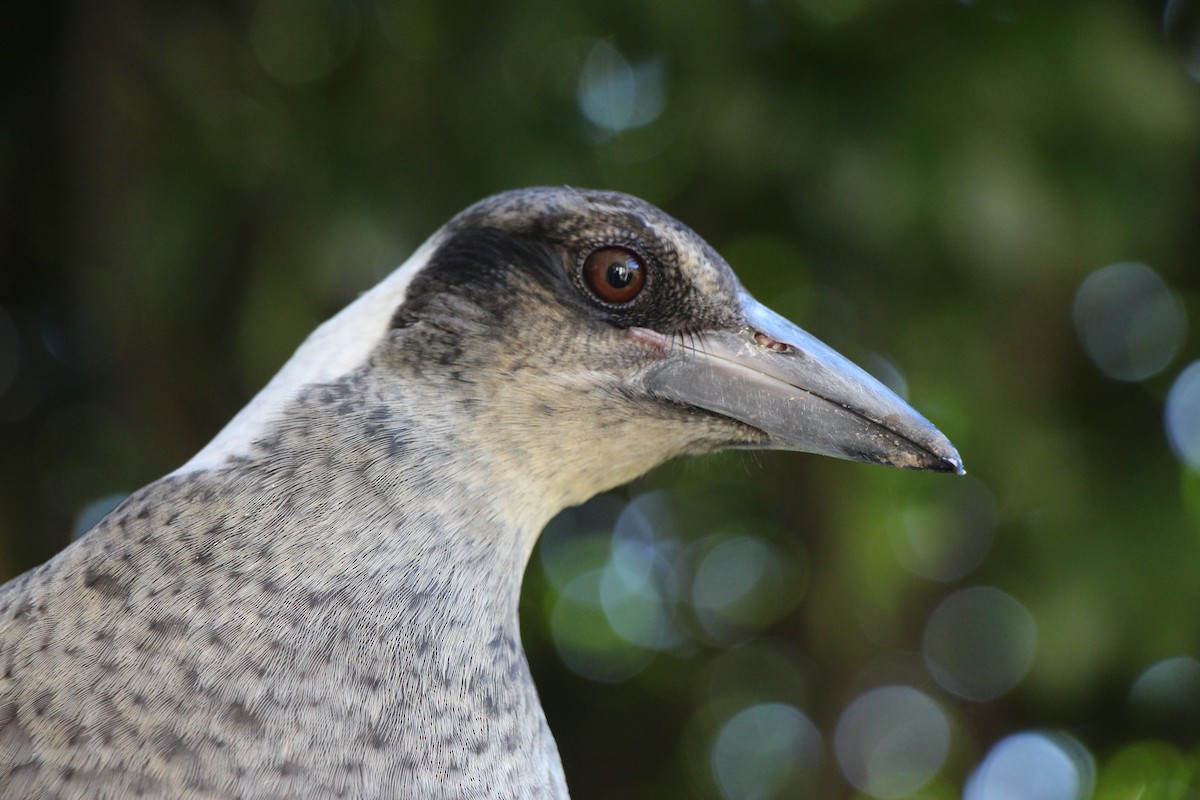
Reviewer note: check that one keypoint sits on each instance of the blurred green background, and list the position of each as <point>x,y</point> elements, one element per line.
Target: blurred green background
<point>992,205</point>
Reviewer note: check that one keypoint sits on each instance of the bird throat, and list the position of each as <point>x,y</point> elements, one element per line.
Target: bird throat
<point>351,578</point>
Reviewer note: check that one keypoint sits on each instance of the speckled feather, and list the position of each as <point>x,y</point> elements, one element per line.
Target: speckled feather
<point>324,602</point>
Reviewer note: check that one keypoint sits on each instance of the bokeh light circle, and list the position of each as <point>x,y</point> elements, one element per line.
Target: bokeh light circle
<point>611,564</point>
<point>765,751</point>
<point>1167,694</point>
<point>979,642</point>
<point>639,588</point>
<point>892,740</point>
<point>585,639</point>
<point>614,94</point>
<point>1130,323</point>
<point>742,584</point>
<point>946,531</point>
<point>1181,26</point>
<point>1182,415</point>
<point>1033,766</point>
<point>634,602</point>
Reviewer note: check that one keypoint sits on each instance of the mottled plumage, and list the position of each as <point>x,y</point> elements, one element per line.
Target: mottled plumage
<point>323,603</point>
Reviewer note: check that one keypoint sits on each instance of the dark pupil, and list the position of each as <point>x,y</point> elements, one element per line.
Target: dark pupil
<point>620,274</point>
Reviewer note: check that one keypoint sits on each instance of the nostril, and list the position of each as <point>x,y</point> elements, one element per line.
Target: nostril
<point>767,343</point>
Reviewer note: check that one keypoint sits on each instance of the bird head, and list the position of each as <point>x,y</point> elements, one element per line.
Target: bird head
<point>584,337</point>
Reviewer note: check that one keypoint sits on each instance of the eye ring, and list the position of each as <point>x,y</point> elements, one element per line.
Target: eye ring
<point>615,275</point>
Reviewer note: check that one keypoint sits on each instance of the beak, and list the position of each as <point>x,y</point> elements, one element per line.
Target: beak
<point>802,394</point>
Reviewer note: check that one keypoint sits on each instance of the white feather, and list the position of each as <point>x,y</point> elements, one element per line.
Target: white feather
<point>337,347</point>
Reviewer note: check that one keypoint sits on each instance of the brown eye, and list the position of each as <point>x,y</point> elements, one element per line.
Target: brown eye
<point>615,274</point>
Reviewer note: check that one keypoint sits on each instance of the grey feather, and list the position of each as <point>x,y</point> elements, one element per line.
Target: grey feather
<point>323,603</point>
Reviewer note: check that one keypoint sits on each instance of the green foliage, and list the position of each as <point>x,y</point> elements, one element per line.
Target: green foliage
<point>193,186</point>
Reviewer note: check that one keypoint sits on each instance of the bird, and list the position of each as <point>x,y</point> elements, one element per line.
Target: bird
<point>322,602</point>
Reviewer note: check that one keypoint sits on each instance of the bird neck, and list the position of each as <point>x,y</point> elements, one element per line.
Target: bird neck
<point>380,479</point>
<point>359,551</point>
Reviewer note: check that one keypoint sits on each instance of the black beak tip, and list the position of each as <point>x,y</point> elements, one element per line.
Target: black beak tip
<point>935,453</point>
<point>953,464</point>
<point>912,457</point>
<point>935,456</point>
<point>944,462</point>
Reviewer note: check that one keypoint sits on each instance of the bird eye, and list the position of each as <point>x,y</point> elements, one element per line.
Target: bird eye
<point>615,274</point>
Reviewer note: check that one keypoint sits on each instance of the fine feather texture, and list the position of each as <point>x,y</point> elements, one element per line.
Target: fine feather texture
<point>323,602</point>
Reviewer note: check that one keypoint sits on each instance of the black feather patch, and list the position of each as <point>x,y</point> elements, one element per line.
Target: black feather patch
<point>485,267</point>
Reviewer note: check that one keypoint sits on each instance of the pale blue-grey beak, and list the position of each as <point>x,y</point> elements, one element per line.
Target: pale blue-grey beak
<point>776,377</point>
